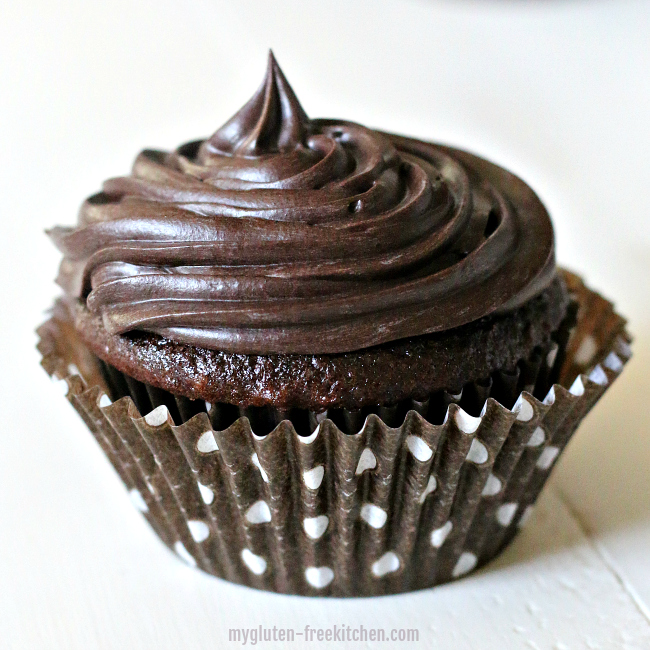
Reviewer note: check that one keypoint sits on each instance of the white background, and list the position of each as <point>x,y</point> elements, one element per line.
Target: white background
<point>558,91</point>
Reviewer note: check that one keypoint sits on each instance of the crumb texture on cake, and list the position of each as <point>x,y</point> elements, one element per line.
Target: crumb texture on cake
<point>384,374</point>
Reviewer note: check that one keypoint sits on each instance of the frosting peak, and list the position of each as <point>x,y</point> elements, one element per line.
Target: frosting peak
<point>271,121</point>
<point>281,234</point>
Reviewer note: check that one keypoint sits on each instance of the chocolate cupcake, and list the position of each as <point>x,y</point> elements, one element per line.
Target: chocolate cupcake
<point>326,359</point>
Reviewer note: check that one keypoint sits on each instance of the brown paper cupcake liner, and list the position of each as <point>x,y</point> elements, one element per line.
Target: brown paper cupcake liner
<point>346,503</point>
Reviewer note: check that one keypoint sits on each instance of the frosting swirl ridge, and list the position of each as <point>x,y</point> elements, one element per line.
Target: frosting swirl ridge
<point>281,234</point>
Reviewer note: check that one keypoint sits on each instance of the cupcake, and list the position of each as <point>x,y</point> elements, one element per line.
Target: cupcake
<point>324,359</point>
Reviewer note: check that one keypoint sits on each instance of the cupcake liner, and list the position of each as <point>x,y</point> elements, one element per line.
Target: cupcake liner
<point>346,503</point>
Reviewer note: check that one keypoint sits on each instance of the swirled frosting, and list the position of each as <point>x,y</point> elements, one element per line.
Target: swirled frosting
<point>282,234</point>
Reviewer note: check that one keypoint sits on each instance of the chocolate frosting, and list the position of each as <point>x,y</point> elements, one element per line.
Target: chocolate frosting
<point>281,234</point>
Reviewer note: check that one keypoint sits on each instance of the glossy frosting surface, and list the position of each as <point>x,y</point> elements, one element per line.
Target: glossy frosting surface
<point>281,234</point>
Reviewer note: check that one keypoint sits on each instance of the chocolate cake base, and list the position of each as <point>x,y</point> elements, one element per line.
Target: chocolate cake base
<point>386,508</point>
<point>412,368</point>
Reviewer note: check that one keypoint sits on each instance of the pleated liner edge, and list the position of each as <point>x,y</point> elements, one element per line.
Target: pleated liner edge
<point>381,511</point>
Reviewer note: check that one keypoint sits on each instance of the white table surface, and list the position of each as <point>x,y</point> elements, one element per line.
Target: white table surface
<point>558,91</point>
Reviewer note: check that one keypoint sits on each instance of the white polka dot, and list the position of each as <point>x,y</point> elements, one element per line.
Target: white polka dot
<point>104,401</point>
<point>585,353</point>
<point>506,512</point>
<point>138,501</point>
<point>259,513</point>
<point>613,362</point>
<point>255,563</point>
<point>319,576</point>
<point>206,494</point>
<point>536,438</point>
<point>373,515</point>
<point>549,400</point>
<point>439,535</point>
<point>466,562</point>
<point>199,530</point>
<point>419,448</point>
<point>623,348</point>
<point>466,423</point>
<point>387,563</point>
<point>430,487</point>
<point>315,526</point>
<point>598,376</point>
<point>523,409</point>
<point>547,457</point>
<point>314,477</point>
<point>181,551</point>
<point>207,443</point>
<point>492,486</point>
<point>526,516</point>
<point>307,440</point>
<point>577,388</point>
<point>256,461</point>
<point>477,453</point>
<point>551,356</point>
<point>157,417</point>
<point>368,460</point>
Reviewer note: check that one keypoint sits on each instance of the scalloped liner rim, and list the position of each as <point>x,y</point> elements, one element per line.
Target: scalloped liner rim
<point>466,423</point>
